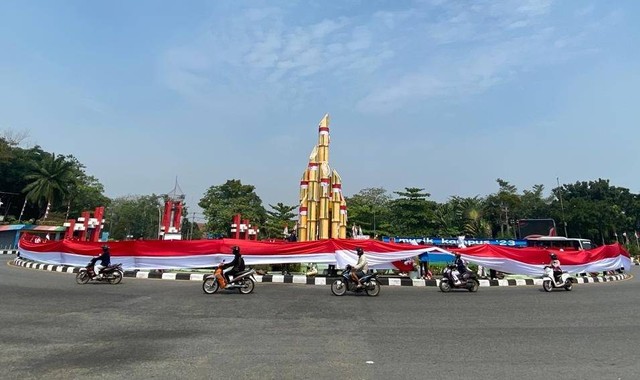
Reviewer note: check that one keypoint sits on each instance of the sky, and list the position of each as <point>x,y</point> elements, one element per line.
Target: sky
<point>447,96</point>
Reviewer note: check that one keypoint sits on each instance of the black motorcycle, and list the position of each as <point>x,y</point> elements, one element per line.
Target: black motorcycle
<point>468,280</point>
<point>370,283</point>
<point>112,274</point>
<point>242,281</point>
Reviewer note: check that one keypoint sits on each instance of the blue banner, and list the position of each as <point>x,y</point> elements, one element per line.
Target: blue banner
<point>453,242</point>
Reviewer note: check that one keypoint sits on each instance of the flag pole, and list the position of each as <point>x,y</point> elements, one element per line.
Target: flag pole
<point>562,208</point>
<point>22,212</point>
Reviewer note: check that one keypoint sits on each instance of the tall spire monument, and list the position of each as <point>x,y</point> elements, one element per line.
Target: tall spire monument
<point>323,210</point>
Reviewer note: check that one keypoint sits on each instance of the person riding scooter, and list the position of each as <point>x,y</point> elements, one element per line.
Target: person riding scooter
<point>361,267</point>
<point>105,261</point>
<point>555,265</point>
<point>237,265</point>
<point>461,268</point>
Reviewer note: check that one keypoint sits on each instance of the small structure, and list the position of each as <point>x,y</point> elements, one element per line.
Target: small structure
<point>10,233</point>
<point>86,228</point>
<point>242,229</point>
<point>171,227</point>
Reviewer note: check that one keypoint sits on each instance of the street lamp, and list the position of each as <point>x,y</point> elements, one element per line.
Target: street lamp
<point>374,224</point>
<point>159,221</point>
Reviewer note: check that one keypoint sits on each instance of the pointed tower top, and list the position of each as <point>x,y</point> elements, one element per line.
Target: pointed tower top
<point>176,194</point>
<point>324,124</point>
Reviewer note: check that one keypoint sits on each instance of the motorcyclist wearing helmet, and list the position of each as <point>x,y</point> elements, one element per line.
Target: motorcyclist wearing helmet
<point>461,268</point>
<point>237,265</point>
<point>105,261</point>
<point>555,265</point>
<point>361,267</point>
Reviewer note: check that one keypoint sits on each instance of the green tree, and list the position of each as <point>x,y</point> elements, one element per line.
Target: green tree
<point>533,204</point>
<point>48,180</point>
<point>5,150</point>
<point>413,213</point>
<point>191,230</point>
<point>370,210</point>
<point>447,219</point>
<point>220,203</point>
<point>85,192</point>
<point>500,209</point>
<point>12,179</point>
<point>596,210</point>
<point>134,217</point>
<point>280,216</point>
<point>470,216</point>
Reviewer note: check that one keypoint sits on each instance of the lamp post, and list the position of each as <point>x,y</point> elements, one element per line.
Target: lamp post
<point>374,224</point>
<point>159,221</point>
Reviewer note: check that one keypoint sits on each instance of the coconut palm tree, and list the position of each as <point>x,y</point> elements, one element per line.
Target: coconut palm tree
<point>49,180</point>
<point>474,222</point>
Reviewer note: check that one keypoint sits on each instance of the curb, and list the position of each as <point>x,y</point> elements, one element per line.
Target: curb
<point>9,252</point>
<point>298,279</point>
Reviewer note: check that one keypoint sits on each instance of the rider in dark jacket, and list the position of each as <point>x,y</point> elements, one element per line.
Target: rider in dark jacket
<point>461,268</point>
<point>104,258</point>
<point>460,265</point>
<point>237,265</point>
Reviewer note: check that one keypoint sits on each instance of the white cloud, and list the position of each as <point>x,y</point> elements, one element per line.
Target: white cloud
<point>391,58</point>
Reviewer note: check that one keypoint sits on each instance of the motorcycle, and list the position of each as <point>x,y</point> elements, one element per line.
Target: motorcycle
<point>112,274</point>
<point>468,280</point>
<point>370,283</point>
<point>243,281</point>
<point>549,281</point>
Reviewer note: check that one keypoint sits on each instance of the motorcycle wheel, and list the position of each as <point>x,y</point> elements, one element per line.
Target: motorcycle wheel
<point>546,285</point>
<point>115,278</point>
<point>474,286</point>
<point>82,277</point>
<point>210,285</point>
<point>338,288</point>
<point>445,287</point>
<point>248,286</point>
<point>373,289</point>
<point>568,286</point>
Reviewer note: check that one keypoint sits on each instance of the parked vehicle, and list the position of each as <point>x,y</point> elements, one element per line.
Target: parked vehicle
<point>112,274</point>
<point>370,283</point>
<point>550,282</point>
<point>468,280</point>
<point>243,281</point>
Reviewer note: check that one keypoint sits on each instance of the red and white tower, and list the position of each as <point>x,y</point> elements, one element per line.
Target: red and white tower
<point>171,226</point>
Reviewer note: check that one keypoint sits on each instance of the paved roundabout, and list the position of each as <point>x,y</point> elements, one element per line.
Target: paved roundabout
<point>54,328</point>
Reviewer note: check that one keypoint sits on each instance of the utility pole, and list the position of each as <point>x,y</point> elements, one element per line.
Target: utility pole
<point>193,220</point>
<point>562,207</point>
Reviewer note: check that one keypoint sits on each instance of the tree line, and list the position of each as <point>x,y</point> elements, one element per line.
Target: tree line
<point>53,188</point>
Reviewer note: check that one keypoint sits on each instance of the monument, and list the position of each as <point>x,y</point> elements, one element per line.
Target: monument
<point>323,210</point>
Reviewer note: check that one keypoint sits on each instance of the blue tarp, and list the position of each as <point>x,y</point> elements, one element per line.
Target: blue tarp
<point>433,257</point>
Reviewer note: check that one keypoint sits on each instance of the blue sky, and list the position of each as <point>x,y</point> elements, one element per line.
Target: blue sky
<point>441,95</point>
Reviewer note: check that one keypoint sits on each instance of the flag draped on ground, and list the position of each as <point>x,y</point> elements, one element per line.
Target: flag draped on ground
<point>531,261</point>
<point>180,254</point>
<point>177,254</point>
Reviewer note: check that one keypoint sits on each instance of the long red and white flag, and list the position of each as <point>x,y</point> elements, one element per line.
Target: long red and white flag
<point>179,254</point>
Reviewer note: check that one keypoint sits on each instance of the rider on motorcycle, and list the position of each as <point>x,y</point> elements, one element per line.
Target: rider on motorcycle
<point>555,265</point>
<point>461,268</point>
<point>105,261</point>
<point>361,267</point>
<point>237,265</point>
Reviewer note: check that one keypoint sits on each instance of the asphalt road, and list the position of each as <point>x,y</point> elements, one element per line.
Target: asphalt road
<point>53,328</point>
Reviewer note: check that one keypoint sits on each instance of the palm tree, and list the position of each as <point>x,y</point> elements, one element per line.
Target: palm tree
<point>49,180</point>
<point>475,223</point>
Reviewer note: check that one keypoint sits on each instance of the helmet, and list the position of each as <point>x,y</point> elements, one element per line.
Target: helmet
<point>236,250</point>
<point>457,256</point>
<point>359,251</point>
<point>105,247</point>
<point>554,257</point>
